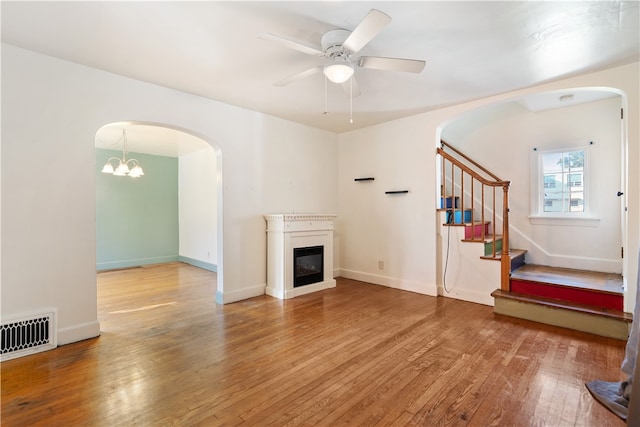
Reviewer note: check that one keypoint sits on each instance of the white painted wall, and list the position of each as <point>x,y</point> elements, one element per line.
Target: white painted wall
<point>402,153</point>
<point>502,139</point>
<point>392,229</point>
<point>464,275</point>
<point>51,110</point>
<point>197,202</point>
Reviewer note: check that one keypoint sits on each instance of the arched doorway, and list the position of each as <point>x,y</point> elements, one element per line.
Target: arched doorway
<point>505,137</point>
<point>171,213</point>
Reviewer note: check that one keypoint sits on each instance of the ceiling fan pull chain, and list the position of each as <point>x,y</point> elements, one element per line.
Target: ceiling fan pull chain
<point>325,96</point>
<point>351,100</point>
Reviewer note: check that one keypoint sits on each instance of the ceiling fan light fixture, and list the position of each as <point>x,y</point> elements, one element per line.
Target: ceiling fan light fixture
<point>338,71</point>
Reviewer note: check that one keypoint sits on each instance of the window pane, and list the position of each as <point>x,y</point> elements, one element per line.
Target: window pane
<point>563,181</point>
<point>574,160</point>
<point>575,179</point>
<point>553,205</point>
<point>552,162</point>
<point>577,201</point>
<point>551,181</point>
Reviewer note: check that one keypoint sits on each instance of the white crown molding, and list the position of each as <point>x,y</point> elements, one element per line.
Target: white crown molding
<point>300,217</point>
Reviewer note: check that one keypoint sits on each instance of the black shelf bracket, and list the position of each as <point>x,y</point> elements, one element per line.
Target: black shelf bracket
<point>363,179</point>
<point>396,192</point>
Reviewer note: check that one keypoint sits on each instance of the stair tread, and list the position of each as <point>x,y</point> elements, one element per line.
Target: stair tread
<point>570,278</point>
<point>467,224</point>
<point>488,238</point>
<point>513,253</point>
<point>566,305</point>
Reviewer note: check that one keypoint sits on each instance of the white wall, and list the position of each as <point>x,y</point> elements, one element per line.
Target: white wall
<point>51,110</point>
<point>464,275</point>
<point>402,153</point>
<point>502,139</point>
<point>197,202</point>
<point>392,229</point>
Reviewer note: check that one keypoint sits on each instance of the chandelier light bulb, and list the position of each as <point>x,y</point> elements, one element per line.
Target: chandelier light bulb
<point>122,169</point>
<point>136,172</point>
<point>108,168</point>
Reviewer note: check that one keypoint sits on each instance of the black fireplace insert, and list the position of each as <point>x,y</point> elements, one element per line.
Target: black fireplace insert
<point>308,265</point>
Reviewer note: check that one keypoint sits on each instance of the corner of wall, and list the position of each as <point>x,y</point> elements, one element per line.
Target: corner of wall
<point>391,282</point>
<point>240,294</point>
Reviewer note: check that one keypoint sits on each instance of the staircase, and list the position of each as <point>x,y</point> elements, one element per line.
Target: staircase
<point>580,300</point>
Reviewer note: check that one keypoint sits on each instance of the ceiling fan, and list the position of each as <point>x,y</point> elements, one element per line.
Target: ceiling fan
<point>340,46</point>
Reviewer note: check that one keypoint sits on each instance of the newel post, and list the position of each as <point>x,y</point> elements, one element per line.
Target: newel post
<point>505,258</point>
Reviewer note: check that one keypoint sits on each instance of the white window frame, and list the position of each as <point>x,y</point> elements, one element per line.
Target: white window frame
<point>537,215</point>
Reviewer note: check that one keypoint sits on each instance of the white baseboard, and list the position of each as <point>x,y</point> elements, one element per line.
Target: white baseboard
<point>392,282</point>
<point>300,290</point>
<point>228,297</point>
<point>128,263</point>
<point>467,295</point>
<point>198,263</point>
<point>78,332</point>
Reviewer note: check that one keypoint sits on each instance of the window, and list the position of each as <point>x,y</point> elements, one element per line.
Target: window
<point>561,182</point>
<point>562,173</point>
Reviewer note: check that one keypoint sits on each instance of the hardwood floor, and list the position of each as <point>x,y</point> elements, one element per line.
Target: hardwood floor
<point>358,354</point>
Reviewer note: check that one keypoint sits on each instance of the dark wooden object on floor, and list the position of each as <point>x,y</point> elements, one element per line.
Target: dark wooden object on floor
<point>352,355</point>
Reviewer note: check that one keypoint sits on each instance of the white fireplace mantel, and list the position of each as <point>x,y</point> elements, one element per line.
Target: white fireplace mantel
<point>286,232</point>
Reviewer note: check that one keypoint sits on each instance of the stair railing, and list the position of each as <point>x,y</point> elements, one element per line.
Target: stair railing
<point>457,168</point>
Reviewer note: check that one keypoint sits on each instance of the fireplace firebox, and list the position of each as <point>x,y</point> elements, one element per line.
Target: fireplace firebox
<point>308,265</point>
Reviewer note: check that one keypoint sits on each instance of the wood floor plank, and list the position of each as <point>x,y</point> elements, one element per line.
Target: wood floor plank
<point>357,354</point>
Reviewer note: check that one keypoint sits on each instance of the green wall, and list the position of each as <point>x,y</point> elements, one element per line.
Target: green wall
<point>136,218</point>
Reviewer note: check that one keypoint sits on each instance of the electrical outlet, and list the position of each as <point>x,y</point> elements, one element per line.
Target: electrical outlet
<point>380,265</point>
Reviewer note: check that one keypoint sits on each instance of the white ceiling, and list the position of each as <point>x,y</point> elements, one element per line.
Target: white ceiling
<point>473,49</point>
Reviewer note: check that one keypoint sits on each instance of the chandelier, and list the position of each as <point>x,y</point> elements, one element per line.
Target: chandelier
<point>125,167</point>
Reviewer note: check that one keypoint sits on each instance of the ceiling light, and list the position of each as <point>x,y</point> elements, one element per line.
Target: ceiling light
<point>339,71</point>
<point>122,169</point>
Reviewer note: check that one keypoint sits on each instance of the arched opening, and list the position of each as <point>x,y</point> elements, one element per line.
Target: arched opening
<point>505,137</point>
<point>171,213</point>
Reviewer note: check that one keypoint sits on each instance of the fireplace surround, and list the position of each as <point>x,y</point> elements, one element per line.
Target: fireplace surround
<point>307,238</point>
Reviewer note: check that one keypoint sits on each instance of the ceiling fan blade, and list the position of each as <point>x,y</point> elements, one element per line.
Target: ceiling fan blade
<point>349,90</point>
<point>292,44</point>
<point>302,75</point>
<point>391,64</point>
<point>366,30</point>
